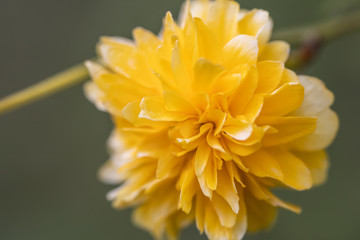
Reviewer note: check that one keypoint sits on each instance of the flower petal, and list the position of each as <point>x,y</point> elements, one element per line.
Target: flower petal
<point>239,52</point>
<point>244,92</point>
<point>131,113</point>
<point>284,100</point>
<point>239,130</point>
<point>200,9</point>
<point>176,103</point>
<point>226,216</point>
<point>95,95</point>
<point>169,166</point>
<point>270,74</point>
<point>227,190</point>
<point>200,210</point>
<point>121,56</point>
<point>222,19</point>
<point>260,214</point>
<point>206,190</point>
<point>262,164</point>
<point>253,109</point>
<point>218,118</point>
<point>275,51</point>
<point>181,75</point>
<point>146,40</point>
<point>324,134</point>
<point>288,129</point>
<point>117,54</point>
<point>265,32</point>
<point>214,142</point>
<point>203,129</point>
<point>153,213</point>
<point>261,192</point>
<point>239,230</point>
<point>205,73</point>
<point>240,149</point>
<point>201,158</point>
<point>253,22</point>
<point>153,108</point>
<point>208,44</point>
<point>317,97</point>
<point>189,188</point>
<point>109,173</point>
<point>296,173</point>
<point>318,163</point>
<point>210,173</point>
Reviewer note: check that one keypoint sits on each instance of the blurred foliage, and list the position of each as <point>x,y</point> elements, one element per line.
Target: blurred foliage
<point>337,7</point>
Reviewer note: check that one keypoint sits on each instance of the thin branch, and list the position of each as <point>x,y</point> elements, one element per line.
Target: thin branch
<point>49,86</point>
<point>325,31</point>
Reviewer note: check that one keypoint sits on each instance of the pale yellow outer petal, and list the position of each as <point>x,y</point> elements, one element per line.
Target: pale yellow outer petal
<point>317,97</point>
<point>265,33</point>
<point>318,163</point>
<point>323,136</point>
<point>109,174</point>
<point>94,94</point>
<point>222,19</point>
<point>200,8</point>
<point>317,102</point>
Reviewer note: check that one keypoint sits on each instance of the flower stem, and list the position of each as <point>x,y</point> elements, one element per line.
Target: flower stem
<point>49,86</point>
<point>325,31</point>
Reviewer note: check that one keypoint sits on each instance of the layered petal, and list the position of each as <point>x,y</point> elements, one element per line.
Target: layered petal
<point>208,120</point>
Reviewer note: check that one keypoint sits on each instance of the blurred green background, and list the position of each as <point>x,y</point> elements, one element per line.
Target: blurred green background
<point>50,151</point>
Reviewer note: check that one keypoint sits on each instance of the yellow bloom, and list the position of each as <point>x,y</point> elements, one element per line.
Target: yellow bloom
<point>208,120</point>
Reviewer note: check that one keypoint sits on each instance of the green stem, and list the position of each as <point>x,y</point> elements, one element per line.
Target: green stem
<point>47,87</point>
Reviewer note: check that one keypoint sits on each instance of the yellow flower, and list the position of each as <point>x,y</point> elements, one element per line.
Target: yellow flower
<point>208,120</point>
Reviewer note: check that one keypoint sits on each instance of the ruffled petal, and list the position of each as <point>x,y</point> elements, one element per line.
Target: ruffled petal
<point>262,164</point>
<point>239,53</point>
<point>317,97</point>
<point>222,19</point>
<point>153,108</point>
<point>283,100</point>
<point>318,163</point>
<point>324,134</point>
<point>275,51</point>
<point>270,74</point>
<point>296,174</point>
<point>253,22</point>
